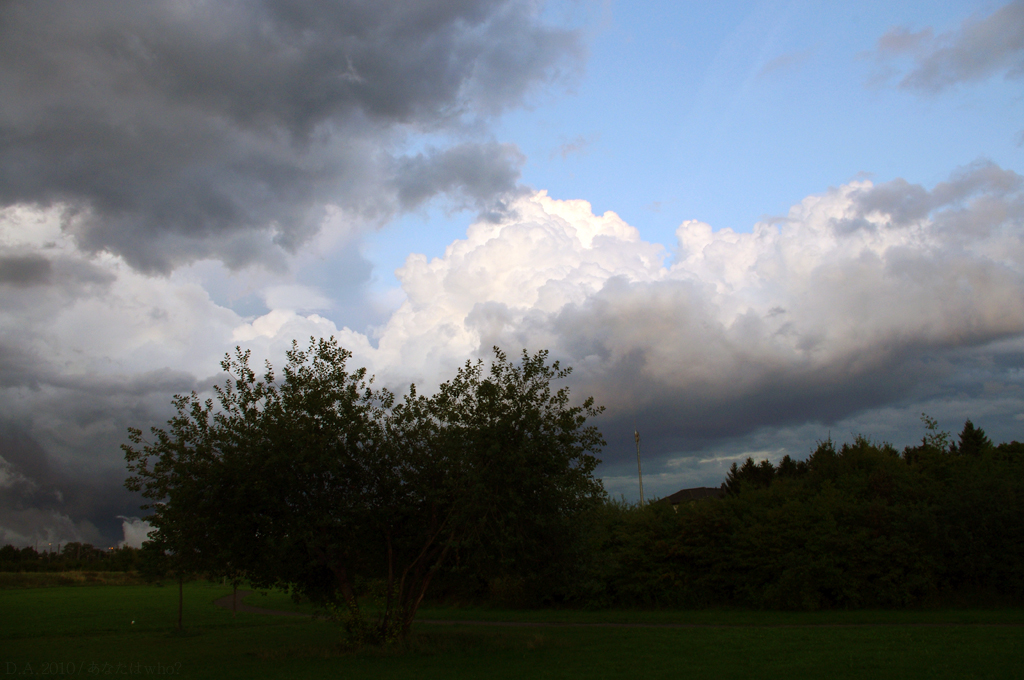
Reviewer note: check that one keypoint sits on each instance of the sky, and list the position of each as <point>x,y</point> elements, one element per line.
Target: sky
<point>747,226</point>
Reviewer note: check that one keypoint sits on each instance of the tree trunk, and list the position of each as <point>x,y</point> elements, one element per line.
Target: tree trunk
<point>389,600</point>
<point>418,588</point>
<point>234,599</point>
<point>181,597</point>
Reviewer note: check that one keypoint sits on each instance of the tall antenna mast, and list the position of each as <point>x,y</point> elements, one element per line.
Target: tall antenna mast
<point>639,472</point>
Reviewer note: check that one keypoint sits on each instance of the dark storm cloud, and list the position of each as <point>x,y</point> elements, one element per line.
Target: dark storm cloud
<point>41,501</point>
<point>177,131</point>
<point>979,48</point>
<point>19,367</point>
<point>903,203</point>
<point>862,332</point>
<point>161,381</point>
<point>698,382</point>
<point>25,270</point>
<point>478,172</point>
<point>62,473</point>
<point>43,275</point>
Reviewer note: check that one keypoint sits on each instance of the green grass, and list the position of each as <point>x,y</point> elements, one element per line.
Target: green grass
<point>91,628</point>
<point>704,617</point>
<point>41,579</point>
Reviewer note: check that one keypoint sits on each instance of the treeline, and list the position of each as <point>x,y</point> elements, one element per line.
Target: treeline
<point>864,525</point>
<point>68,557</point>
<point>858,525</point>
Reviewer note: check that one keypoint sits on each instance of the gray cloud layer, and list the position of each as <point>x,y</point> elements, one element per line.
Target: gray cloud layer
<point>157,134</point>
<point>918,279</point>
<point>177,131</point>
<point>864,299</point>
<point>169,132</point>
<point>978,49</point>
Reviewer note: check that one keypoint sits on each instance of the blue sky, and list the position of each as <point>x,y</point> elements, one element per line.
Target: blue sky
<point>734,111</point>
<point>817,227</point>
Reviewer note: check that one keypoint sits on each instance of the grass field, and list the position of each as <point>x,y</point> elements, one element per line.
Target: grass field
<point>97,630</point>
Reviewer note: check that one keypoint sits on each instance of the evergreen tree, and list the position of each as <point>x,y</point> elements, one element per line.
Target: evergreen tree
<point>973,441</point>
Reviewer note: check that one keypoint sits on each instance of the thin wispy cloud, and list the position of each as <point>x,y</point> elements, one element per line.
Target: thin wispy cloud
<point>786,62</point>
<point>577,146</point>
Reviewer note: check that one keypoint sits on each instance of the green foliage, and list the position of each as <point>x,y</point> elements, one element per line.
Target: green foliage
<point>360,630</point>
<point>316,482</point>
<point>357,501</point>
<point>753,475</point>
<point>934,439</point>
<point>526,464</point>
<point>70,557</point>
<point>972,442</point>
<point>861,526</point>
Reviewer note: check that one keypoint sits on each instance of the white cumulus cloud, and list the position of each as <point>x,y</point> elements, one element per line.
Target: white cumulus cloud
<point>136,532</point>
<point>858,296</point>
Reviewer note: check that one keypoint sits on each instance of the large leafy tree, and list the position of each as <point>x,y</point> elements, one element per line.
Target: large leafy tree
<point>167,470</point>
<point>526,462</point>
<point>316,482</point>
